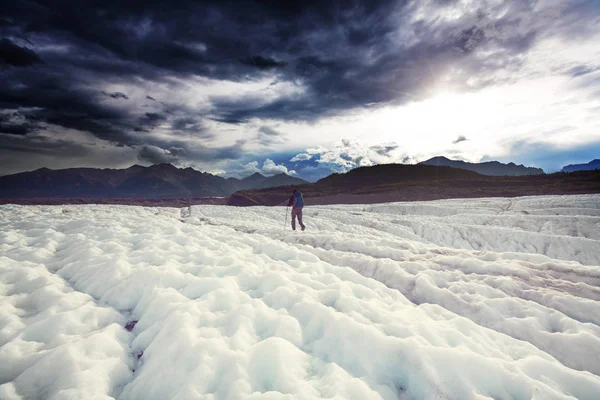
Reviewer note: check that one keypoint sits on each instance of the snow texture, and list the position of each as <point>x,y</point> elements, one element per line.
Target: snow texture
<point>452,299</point>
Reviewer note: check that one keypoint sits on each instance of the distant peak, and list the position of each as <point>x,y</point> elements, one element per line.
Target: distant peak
<point>441,158</point>
<point>255,175</point>
<point>163,166</point>
<point>594,164</point>
<point>493,168</point>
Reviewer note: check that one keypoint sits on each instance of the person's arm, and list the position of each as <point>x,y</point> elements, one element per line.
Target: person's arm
<point>291,201</point>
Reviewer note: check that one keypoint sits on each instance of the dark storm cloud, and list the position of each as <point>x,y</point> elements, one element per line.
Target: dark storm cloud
<point>17,129</point>
<point>265,130</point>
<point>232,152</point>
<point>116,95</point>
<point>241,110</point>
<point>18,56</point>
<point>32,151</point>
<point>156,155</point>
<point>175,151</point>
<point>35,144</point>
<point>344,53</point>
<point>201,153</point>
<point>152,119</point>
<point>268,136</point>
<point>191,125</point>
<point>384,150</point>
<point>13,123</point>
<point>460,138</point>
<point>263,62</point>
<point>47,96</point>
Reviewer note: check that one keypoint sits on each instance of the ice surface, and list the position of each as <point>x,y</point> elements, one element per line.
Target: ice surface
<point>452,299</point>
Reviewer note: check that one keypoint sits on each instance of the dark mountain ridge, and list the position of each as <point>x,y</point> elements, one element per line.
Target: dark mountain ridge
<point>259,181</point>
<point>489,168</point>
<point>592,165</point>
<point>400,182</point>
<point>154,182</point>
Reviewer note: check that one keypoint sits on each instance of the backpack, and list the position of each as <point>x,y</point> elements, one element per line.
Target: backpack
<point>298,200</point>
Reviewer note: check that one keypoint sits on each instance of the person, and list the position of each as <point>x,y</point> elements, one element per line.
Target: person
<point>297,203</point>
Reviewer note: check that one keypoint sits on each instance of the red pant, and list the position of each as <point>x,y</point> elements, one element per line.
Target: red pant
<point>297,212</point>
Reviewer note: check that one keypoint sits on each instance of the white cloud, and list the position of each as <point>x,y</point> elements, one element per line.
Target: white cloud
<point>247,169</point>
<point>352,154</point>
<point>301,157</point>
<point>269,168</point>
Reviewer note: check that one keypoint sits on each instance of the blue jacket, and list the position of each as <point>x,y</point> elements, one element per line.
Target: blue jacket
<point>296,200</point>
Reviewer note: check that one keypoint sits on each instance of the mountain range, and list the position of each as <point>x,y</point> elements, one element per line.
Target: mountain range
<point>592,165</point>
<point>167,185</point>
<point>489,168</point>
<point>400,182</point>
<point>154,182</point>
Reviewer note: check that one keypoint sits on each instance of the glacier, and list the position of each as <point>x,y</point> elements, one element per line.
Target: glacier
<point>495,298</point>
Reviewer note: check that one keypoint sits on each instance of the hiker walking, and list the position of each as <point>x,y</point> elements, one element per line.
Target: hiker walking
<point>296,202</point>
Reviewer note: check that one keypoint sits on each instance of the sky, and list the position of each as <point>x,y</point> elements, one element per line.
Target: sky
<point>306,88</point>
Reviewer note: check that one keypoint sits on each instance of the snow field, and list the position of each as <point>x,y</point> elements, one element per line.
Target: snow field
<point>475,299</point>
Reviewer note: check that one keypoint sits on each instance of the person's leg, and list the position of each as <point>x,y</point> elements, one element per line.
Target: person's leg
<point>293,218</point>
<point>300,219</point>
